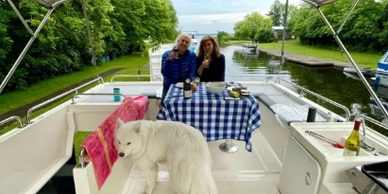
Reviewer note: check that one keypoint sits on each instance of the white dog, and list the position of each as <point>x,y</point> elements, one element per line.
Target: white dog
<point>182,147</point>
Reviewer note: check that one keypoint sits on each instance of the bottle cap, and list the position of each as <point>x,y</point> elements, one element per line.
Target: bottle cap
<point>357,124</point>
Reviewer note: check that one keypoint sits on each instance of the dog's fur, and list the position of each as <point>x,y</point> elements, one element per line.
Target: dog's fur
<point>182,147</point>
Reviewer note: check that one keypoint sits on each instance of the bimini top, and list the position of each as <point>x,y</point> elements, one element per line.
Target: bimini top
<point>320,2</point>
<point>50,3</point>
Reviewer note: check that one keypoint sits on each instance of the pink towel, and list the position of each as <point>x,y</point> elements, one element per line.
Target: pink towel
<point>99,145</point>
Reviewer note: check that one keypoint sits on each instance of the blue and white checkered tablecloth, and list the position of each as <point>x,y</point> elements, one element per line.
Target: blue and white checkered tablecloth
<point>215,117</point>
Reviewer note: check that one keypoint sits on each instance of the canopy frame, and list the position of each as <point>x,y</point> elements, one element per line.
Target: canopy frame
<point>51,5</point>
<point>335,34</point>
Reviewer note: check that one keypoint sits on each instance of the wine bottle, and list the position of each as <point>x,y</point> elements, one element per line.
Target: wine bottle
<point>353,143</point>
<point>311,114</point>
<point>187,86</point>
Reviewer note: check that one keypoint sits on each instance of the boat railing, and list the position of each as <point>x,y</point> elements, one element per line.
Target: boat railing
<point>304,90</point>
<point>364,145</point>
<point>128,76</point>
<point>152,50</point>
<point>28,117</point>
<point>95,94</point>
<point>267,78</point>
<point>364,117</point>
<point>12,118</point>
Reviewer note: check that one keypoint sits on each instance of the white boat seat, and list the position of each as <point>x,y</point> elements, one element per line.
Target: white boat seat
<point>286,114</point>
<point>266,100</point>
<point>31,156</point>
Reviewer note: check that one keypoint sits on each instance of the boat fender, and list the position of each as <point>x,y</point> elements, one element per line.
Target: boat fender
<point>377,80</point>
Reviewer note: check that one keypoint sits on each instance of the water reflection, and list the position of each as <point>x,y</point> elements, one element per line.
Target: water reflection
<point>329,82</point>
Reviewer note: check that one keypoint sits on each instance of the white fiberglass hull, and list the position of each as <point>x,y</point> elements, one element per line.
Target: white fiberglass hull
<point>51,136</point>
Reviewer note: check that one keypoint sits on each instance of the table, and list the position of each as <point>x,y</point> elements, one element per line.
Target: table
<point>214,116</point>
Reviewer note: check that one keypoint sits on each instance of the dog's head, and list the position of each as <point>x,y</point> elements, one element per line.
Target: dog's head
<point>128,138</point>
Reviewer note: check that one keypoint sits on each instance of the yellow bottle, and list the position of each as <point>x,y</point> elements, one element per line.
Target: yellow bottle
<point>353,144</point>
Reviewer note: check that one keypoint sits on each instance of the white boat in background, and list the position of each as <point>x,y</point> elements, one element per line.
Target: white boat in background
<point>367,71</point>
<point>381,78</point>
<point>382,92</point>
<point>251,49</point>
<point>284,159</point>
<point>194,40</point>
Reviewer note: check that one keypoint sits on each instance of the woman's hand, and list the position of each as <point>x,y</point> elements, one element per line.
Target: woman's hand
<point>205,64</point>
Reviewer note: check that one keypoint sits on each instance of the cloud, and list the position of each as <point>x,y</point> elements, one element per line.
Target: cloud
<point>208,16</point>
<point>212,18</point>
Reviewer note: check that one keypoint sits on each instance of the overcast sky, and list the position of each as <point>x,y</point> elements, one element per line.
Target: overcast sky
<point>208,16</point>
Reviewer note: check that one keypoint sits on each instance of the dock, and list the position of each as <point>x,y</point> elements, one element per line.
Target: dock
<point>307,60</point>
<point>155,57</point>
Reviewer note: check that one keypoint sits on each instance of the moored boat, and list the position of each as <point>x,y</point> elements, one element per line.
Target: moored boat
<point>282,157</point>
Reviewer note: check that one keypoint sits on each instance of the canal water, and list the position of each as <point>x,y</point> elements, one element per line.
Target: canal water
<point>329,82</point>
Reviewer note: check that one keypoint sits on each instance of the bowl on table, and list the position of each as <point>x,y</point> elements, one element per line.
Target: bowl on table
<point>215,87</point>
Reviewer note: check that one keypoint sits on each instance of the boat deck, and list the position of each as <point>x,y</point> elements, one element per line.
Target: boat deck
<point>240,172</point>
<point>152,90</point>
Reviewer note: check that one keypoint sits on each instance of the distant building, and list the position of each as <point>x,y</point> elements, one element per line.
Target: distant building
<point>278,32</point>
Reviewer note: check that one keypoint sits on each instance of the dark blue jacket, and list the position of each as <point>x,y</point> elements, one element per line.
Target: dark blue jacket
<point>174,71</point>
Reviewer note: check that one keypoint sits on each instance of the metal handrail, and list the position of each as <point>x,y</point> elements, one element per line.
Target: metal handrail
<point>364,117</point>
<point>320,97</point>
<point>236,75</point>
<point>81,160</point>
<point>28,119</point>
<point>11,119</point>
<point>138,76</point>
<point>95,94</point>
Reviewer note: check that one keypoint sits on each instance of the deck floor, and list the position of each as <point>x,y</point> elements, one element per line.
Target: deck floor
<point>240,172</point>
<point>264,186</point>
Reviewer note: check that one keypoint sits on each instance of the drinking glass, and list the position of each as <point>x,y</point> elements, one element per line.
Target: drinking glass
<point>176,49</point>
<point>207,58</point>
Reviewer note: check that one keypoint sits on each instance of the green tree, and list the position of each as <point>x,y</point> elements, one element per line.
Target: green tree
<point>62,46</point>
<point>365,31</point>
<point>276,12</point>
<point>254,27</point>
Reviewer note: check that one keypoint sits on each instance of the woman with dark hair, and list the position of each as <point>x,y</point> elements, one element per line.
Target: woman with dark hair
<point>210,61</point>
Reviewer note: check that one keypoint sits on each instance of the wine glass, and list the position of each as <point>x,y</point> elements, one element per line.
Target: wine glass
<point>176,49</point>
<point>207,58</point>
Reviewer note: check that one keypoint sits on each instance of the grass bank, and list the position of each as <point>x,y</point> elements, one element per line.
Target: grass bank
<point>68,97</point>
<point>293,46</point>
<point>79,137</point>
<point>13,100</point>
<point>237,42</point>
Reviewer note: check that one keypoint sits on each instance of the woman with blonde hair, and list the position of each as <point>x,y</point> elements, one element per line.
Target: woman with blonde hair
<point>210,61</point>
